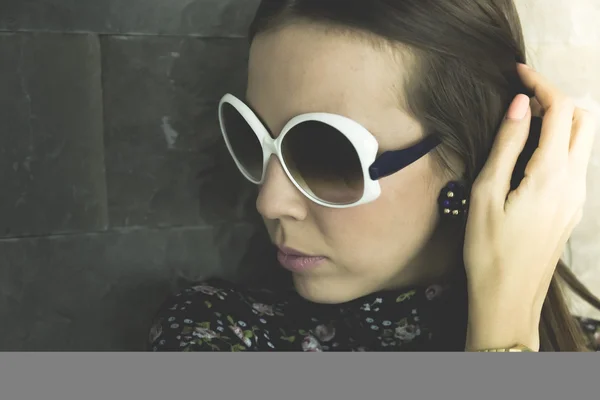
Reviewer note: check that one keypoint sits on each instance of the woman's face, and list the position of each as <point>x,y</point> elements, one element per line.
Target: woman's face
<point>381,245</point>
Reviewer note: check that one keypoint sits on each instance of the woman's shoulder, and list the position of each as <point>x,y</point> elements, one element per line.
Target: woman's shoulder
<point>216,315</point>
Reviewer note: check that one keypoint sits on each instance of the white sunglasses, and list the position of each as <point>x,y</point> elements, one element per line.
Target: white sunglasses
<point>331,159</point>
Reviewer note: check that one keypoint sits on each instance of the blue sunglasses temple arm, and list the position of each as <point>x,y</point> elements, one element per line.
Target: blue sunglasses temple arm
<point>391,162</point>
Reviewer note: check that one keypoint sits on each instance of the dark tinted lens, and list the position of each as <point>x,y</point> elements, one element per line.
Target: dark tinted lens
<point>324,162</point>
<point>243,141</point>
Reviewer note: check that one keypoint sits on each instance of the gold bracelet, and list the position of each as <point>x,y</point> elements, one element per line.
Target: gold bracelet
<point>519,348</point>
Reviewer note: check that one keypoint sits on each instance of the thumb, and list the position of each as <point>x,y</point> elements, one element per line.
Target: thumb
<point>508,145</point>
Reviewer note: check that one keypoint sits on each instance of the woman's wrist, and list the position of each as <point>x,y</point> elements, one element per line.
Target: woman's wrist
<point>496,321</point>
<point>481,336</point>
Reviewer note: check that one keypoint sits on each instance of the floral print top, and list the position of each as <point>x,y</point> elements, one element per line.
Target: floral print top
<point>220,316</point>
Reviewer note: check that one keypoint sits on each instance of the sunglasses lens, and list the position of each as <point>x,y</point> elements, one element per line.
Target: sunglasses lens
<point>324,162</point>
<point>244,143</point>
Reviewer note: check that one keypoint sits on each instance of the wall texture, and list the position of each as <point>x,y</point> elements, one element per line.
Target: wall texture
<point>115,188</point>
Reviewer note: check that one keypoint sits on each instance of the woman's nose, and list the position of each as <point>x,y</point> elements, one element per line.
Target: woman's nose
<point>278,197</point>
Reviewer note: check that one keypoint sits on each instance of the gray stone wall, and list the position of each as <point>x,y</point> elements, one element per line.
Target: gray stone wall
<point>115,186</point>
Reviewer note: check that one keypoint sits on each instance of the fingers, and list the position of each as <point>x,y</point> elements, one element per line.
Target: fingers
<point>508,145</point>
<point>555,137</point>
<point>558,112</point>
<point>545,93</point>
<point>566,235</point>
<point>564,149</point>
<point>536,108</point>
<point>582,141</point>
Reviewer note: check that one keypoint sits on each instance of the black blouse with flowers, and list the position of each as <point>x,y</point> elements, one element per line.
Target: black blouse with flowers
<point>220,316</point>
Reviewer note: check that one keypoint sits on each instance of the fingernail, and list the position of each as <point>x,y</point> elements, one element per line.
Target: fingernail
<point>519,107</point>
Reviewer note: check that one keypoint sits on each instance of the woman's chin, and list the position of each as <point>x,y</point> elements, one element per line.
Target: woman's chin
<point>326,290</point>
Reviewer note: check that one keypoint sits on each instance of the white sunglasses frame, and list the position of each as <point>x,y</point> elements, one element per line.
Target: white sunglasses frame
<point>362,140</point>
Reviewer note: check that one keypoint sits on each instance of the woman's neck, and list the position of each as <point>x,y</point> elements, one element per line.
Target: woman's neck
<point>440,260</point>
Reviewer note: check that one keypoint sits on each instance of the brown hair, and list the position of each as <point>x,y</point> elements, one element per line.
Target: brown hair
<point>465,53</point>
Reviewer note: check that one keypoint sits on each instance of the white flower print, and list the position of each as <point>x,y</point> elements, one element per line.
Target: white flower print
<point>406,332</point>
<point>171,319</point>
<point>206,289</point>
<point>433,291</point>
<point>188,321</point>
<point>240,334</point>
<point>204,333</point>
<point>369,320</point>
<point>264,321</point>
<point>209,290</point>
<point>242,324</point>
<point>368,306</point>
<point>220,329</point>
<point>263,309</point>
<point>270,345</point>
<point>374,327</point>
<point>155,332</point>
<point>311,344</point>
<point>174,326</point>
<point>387,323</point>
<point>325,333</point>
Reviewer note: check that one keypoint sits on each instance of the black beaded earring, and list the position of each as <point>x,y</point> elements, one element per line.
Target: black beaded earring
<point>453,200</point>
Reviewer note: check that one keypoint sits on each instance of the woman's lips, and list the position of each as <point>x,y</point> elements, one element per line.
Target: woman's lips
<point>296,261</point>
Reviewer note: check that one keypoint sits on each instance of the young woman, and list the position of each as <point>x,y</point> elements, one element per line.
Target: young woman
<point>418,195</point>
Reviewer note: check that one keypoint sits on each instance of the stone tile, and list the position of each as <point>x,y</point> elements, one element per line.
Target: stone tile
<point>100,291</point>
<point>166,161</point>
<point>586,237</point>
<point>53,15</point>
<point>571,22</point>
<point>574,69</point>
<point>197,17</point>
<point>51,150</point>
<point>586,30</point>
<point>563,40</point>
